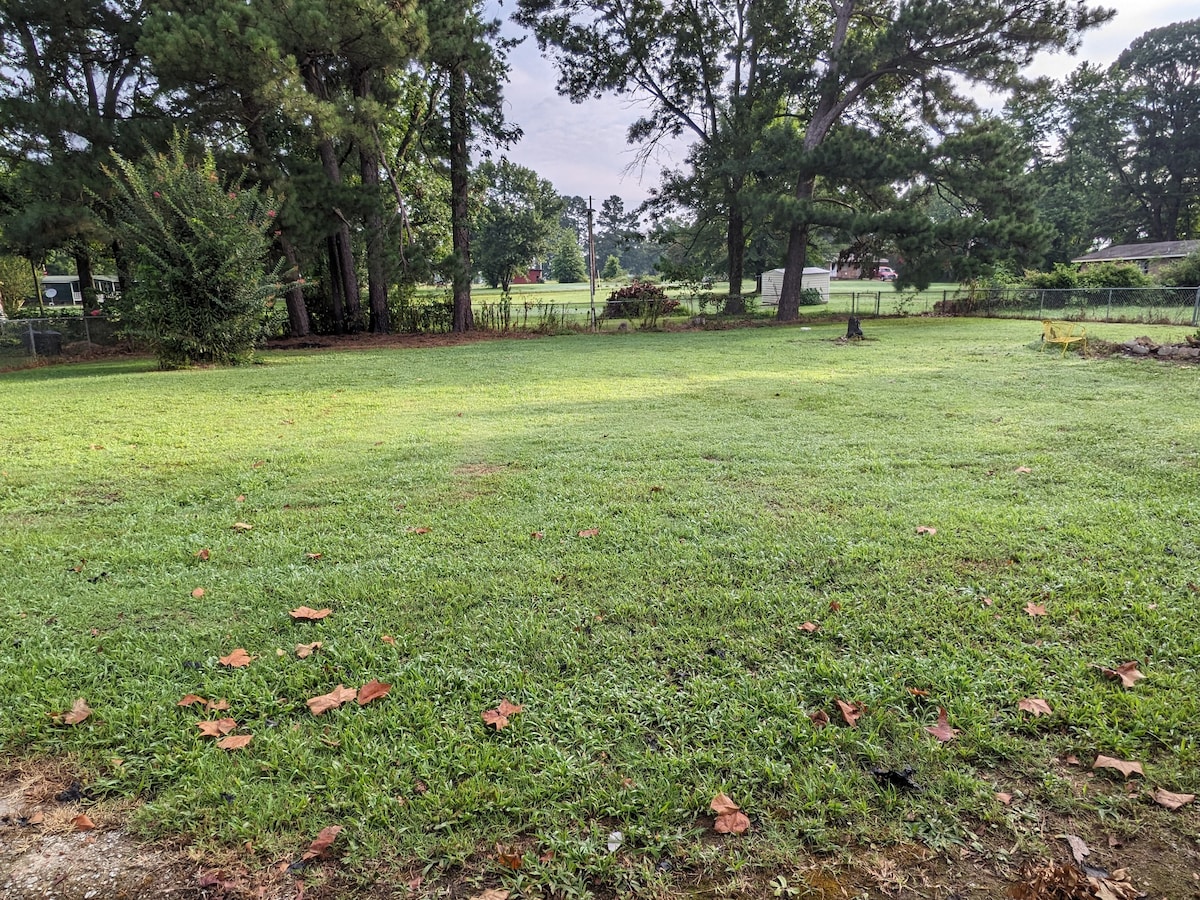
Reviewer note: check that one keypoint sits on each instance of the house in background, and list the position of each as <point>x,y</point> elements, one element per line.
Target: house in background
<point>533,275</point>
<point>1150,258</point>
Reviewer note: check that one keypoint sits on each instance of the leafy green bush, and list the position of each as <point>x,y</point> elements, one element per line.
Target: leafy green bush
<point>201,290</point>
<point>811,297</point>
<point>1184,273</point>
<point>1113,275</point>
<point>1060,277</point>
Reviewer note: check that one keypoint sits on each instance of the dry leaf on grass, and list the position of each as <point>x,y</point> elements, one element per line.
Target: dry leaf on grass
<point>203,554</point>
<point>1023,470</point>
<point>304,651</point>
<point>589,532</point>
<point>78,713</point>
<point>306,614</point>
<point>216,727</point>
<point>190,699</point>
<point>1003,797</point>
<point>372,690</point>
<point>323,841</point>
<point>197,593</point>
<point>83,823</point>
<point>241,527</point>
<point>1079,849</point>
<point>820,718</point>
<point>851,712</point>
<point>730,818</point>
<point>313,556</point>
<point>498,717</point>
<point>335,698</point>
<point>508,857</point>
<point>809,627</point>
<point>418,529</point>
<point>234,741</point>
<point>926,529</point>
<point>238,659</point>
<point>1125,767</point>
<point>537,535</point>
<point>492,894</point>
<point>388,639</point>
<point>942,730</point>
<point>1035,609</point>
<point>1035,706</point>
<point>1126,673</point>
<point>1167,800</point>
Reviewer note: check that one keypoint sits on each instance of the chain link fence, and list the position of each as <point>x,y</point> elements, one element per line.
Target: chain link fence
<point>24,342</point>
<point>1150,306</point>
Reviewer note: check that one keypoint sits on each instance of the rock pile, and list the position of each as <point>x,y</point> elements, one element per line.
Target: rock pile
<point>1144,346</point>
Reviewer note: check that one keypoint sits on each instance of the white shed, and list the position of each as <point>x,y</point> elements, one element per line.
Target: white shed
<point>814,277</point>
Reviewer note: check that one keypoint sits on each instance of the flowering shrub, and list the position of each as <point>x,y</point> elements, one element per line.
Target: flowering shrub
<point>201,291</point>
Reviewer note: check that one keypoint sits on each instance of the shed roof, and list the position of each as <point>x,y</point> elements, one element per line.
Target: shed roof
<point>1156,250</point>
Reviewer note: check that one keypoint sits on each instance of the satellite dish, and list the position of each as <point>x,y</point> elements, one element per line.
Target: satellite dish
<point>51,293</point>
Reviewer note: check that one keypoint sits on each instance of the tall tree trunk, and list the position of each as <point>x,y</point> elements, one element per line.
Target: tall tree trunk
<point>735,244</point>
<point>124,266</point>
<point>368,167</point>
<point>299,324</point>
<point>797,256</point>
<point>345,270</point>
<point>337,297</point>
<point>298,321</point>
<point>83,269</point>
<point>463,319</point>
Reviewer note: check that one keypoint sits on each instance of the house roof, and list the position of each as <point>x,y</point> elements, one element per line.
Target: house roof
<point>1157,250</point>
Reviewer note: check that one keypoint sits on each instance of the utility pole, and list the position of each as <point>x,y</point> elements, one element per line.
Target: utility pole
<point>592,267</point>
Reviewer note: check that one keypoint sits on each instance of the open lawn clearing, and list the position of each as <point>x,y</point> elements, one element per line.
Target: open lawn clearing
<point>625,535</point>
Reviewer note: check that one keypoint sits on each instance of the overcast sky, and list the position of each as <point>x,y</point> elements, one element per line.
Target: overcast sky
<point>581,148</point>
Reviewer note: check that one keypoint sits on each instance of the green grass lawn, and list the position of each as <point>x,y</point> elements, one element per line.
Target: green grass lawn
<point>740,483</point>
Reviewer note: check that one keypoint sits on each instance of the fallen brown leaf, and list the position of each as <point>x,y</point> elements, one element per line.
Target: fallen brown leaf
<point>1126,673</point>
<point>809,627</point>
<point>508,857</point>
<point>1034,609</point>
<point>241,527</point>
<point>83,823</point>
<point>537,535</point>
<point>1003,797</point>
<point>198,592</point>
<point>203,555</point>
<point>589,532</point>
<point>36,817</point>
<point>851,712</point>
<point>834,606</point>
<point>304,613</point>
<point>926,529</point>
<point>216,727</point>
<point>1023,470</point>
<point>388,639</point>
<point>418,529</point>
<point>304,651</point>
<point>820,718</point>
<point>1079,848</point>
<point>1035,706</point>
<point>1167,800</point>
<point>730,818</point>
<point>238,659</point>
<point>1125,767</point>
<point>942,730</point>
<point>918,692</point>
<point>498,717</point>
<point>234,741</point>
<point>79,712</point>
<point>313,556</point>
<point>217,705</point>
<point>492,894</point>
<point>332,700</point>
<point>372,690</point>
<point>323,841</point>
<point>189,699</point>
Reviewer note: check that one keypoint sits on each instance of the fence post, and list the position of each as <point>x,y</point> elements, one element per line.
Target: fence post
<point>1196,309</point>
<point>32,342</point>
<point>87,332</point>
<point>1108,309</point>
<point>1041,303</point>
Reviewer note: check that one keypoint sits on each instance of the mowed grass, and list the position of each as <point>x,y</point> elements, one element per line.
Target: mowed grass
<point>742,483</point>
